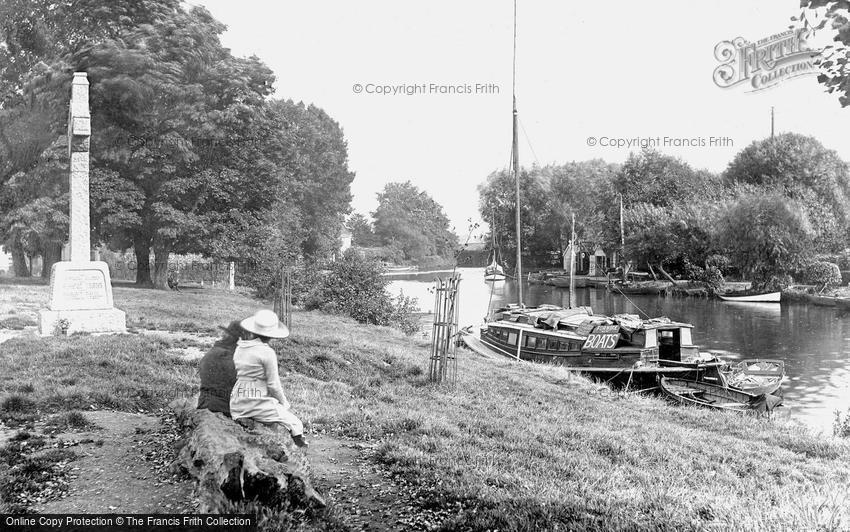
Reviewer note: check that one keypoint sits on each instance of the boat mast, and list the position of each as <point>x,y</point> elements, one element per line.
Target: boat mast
<point>622,240</point>
<point>493,233</point>
<point>573,263</point>
<point>515,162</point>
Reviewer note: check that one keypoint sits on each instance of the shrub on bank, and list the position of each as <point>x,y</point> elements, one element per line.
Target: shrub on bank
<point>710,275</point>
<point>824,275</point>
<point>356,287</point>
<point>841,424</point>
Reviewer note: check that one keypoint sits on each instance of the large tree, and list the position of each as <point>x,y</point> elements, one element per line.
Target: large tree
<point>312,156</point>
<point>34,210</point>
<point>188,153</point>
<point>585,189</point>
<point>410,219</point>
<point>38,41</point>
<point>181,126</point>
<point>675,235</point>
<point>658,179</point>
<point>541,222</point>
<point>363,235</point>
<point>802,169</point>
<point>766,236</point>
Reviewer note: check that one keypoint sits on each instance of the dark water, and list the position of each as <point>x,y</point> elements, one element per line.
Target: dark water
<point>813,341</point>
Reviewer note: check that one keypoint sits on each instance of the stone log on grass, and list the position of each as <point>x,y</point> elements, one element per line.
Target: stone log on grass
<point>235,464</point>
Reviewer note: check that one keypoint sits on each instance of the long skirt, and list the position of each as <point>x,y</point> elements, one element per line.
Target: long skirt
<point>250,399</point>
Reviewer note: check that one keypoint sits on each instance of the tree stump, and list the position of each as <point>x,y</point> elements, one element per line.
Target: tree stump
<point>232,463</point>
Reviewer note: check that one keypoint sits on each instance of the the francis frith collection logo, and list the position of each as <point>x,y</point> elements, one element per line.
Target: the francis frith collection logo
<point>765,63</point>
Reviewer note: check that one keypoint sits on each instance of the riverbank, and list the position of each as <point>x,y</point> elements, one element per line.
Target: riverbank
<point>512,446</point>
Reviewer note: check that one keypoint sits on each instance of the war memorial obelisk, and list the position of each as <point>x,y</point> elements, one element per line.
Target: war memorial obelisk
<point>80,289</point>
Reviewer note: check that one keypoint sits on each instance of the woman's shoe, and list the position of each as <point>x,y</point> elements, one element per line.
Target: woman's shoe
<point>300,441</point>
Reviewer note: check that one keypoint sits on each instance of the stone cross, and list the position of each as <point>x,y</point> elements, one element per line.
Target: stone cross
<point>79,134</point>
<point>80,289</point>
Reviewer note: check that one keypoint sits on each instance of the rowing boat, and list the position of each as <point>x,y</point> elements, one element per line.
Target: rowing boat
<point>755,375</point>
<point>768,297</point>
<point>696,393</point>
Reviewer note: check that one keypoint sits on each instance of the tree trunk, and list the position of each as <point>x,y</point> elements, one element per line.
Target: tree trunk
<point>51,254</point>
<point>160,266</point>
<point>19,263</point>
<point>667,275</point>
<point>142,249</point>
<point>652,271</point>
<point>230,462</point>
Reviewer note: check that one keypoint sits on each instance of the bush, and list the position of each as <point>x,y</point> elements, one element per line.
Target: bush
<point>355,287</point>
<point>841,425</point>
<point>721,262</point>
<point>824,275</point>
<point>778,282</point>
<point>404,314</point>
<point>710,275</point>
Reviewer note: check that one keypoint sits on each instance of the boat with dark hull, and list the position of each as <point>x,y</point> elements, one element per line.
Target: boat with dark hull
<point>703,394</point>
<point>622,347</point>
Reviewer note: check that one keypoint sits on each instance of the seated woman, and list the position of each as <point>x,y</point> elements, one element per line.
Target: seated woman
<point>258,393</point>
<point>218,374</point>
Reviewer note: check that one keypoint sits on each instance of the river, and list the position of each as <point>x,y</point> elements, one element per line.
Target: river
<point>813,341</point>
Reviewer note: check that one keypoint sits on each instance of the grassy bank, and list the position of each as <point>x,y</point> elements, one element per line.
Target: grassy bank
<point>512,446</point>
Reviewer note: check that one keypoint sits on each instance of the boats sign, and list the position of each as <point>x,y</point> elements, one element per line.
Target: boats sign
<point>765,63</point>
<point>603,337</point>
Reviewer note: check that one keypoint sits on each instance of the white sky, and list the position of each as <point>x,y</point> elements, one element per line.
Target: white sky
<point>616,69</point>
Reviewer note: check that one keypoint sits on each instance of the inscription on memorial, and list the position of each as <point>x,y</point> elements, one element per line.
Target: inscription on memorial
<point>82,289</point>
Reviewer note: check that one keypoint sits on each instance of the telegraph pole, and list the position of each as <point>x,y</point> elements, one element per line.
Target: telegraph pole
<point>771,121</point>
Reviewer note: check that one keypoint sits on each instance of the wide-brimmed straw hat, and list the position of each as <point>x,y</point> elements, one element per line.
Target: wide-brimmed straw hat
<point>265,323</point>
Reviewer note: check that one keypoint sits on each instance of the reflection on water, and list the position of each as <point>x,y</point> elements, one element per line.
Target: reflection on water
<point>813,341</point>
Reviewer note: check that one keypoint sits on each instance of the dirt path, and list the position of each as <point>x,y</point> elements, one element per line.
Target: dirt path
<point>362,496</point>
<point>124,469</point>
<point>123,465</point>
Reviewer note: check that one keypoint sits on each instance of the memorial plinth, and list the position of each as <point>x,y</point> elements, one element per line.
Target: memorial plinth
<point>80,299</point>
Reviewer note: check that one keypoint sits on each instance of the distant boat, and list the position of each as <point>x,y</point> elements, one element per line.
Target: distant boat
<point>561,281</point>
<point>755,375</point>
<point>822,301</point>
<point>767,297</point>
<point>638,288</point>
<point>696,393</point>
<point>494,271</point>
<point>400,269</point>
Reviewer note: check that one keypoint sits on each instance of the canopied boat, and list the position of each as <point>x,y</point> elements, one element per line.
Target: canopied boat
<point>599,345</point>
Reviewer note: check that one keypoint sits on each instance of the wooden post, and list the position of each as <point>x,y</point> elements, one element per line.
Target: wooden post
<point>278,295</point>
<point>283,297</point>
<point>287,298</point>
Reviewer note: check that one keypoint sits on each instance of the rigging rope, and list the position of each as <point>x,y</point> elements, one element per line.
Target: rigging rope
<point>489,302</point>
<point>528,141</point>
<point>632,302</point>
